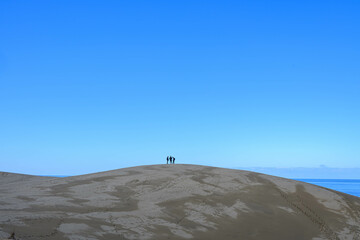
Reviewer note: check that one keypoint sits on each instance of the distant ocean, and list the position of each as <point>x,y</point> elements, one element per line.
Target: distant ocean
<point>349,186</point>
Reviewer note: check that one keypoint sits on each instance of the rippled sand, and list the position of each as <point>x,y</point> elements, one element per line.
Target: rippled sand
<point>173,202</point>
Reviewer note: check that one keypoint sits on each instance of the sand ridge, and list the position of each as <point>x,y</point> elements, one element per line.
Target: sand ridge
<point>173,202</point>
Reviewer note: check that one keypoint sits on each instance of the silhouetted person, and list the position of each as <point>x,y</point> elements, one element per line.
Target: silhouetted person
<point>171,159</point>
<point>167,160</point>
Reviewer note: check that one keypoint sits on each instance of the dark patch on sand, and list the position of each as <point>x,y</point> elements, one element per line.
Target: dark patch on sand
<point>126,200</point>
<point>25,198</point>
<point>35,228</point>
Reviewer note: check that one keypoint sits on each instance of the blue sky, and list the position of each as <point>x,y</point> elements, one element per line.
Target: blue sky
<point>87,86</point>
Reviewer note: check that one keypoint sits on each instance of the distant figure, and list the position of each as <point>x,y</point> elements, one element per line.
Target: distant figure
<point>171,159</point>
<point>167,160</point>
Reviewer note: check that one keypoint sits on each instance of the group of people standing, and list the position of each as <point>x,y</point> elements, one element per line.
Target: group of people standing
<point>171,158</point>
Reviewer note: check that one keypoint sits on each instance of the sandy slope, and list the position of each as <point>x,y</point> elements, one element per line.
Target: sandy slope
<point>173,202</point>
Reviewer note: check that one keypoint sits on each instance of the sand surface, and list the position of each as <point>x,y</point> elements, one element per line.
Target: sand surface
<point>163,202</point>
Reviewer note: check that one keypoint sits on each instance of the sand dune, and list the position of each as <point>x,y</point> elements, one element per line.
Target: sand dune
<point>173,202</point>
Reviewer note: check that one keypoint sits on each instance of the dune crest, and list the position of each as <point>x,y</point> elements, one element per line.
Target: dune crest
<point>173,202</point>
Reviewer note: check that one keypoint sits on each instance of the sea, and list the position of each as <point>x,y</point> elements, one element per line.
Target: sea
<point>349,186</point>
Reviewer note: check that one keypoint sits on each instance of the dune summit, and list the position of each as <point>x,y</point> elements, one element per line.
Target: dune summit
<point>173,202</point>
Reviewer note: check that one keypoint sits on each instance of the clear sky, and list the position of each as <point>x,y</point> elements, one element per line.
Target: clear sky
<point>87,86</point>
